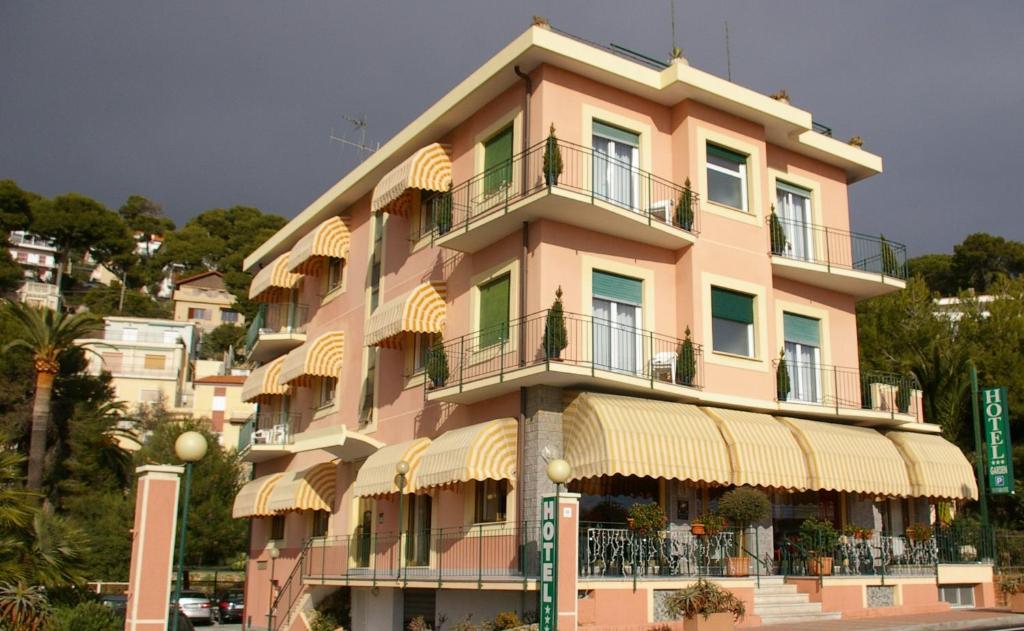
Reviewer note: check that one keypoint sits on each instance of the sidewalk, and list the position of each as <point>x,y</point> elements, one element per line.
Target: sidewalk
<point>958,619</point>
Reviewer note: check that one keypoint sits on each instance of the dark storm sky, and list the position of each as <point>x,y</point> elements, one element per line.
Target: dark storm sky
<point>205,103</point>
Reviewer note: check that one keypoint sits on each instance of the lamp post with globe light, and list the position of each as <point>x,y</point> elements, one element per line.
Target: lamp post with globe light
<point>190,447</point>
<point>558,471</point>
<point>401,470</point>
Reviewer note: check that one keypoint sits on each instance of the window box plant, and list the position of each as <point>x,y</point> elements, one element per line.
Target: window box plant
<point>704,606</point>
<point>686,361</point>
<point>555,335</point>
<point>552,159</point>
<point>819,538</point>
<point>742,507</point>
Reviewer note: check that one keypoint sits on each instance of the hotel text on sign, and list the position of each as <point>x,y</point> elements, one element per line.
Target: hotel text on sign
<point>548,558</point>
<point>997,441</point>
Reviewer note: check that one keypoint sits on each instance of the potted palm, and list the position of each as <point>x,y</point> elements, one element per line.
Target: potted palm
<point>742,507</point>
<point>782,377</point>
<point>555,335</point>
<point>819,538</point>
<point>777,233</point>
<point>552,159</point>
<point>684,208</point>
<point>704,606</point>
<point>437,365</point>
<point>686,361</point>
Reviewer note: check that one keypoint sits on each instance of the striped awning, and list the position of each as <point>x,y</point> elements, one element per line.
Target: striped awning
<point>308,489</point>
<point>485,451</point>
<point>937,467</point>
<point>320,358</point>
<point>264,382</point>
<point>764,452</point>
<point>420,310</point>
<point>377,475</point>
<point>329,240</point>
<point>851,459</point>
<point>252,498</point>
<point>274,281</point>
<point>608,435</point>
<point>429,169</point>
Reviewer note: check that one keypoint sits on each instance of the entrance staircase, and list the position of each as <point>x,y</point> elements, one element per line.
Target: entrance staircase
<point>778,603</point>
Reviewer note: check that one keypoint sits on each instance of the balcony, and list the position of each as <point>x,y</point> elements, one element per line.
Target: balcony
<point>868,395</point>
<point>848,262</point>
<point>267,435</point>
<point>162,368</point>
<point>597,353</point>
<point>137,336</point>
<point>593,191</point>
<point>276,329</point>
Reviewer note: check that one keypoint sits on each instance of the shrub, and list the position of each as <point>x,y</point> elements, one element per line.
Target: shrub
<point>419,624</point>
<point>686,361</point>
<point>684,207</point>
<point>506,620</point>
<point>742,507</point>
<point>1011,585</point>
<point>87,616</point>
<point>555,335</point>
<point>552,157</point>
<point>703,599</point>
<point>437,364</point>
<point>782,377</point>
<point>890,265</point>
<point>777,232</point>
<point>648,519</point>
<point>818,537</point>
<point>713,523</point>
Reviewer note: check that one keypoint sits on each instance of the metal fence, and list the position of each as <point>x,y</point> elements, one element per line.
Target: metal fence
<point>848,388</point>
<point>268,428</point>
<point>802,241</point>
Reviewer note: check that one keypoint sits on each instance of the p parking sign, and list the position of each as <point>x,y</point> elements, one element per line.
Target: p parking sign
<point>999,452</point>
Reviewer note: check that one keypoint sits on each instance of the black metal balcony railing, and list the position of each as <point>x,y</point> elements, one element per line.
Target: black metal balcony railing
<point>592,173</point>
<point>268,428</point>
<point>276,318</point>
<point>592,343</point>
<point>802,241</point>
<point>847,388</point>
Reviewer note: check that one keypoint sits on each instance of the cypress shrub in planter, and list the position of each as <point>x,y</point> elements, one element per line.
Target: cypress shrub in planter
<point>437,365</point>
<point>686,361</point>
<point>552,159</point>
<point>782,377</point>
<point>555,335</point>
<point>778,233</point>
<point>684,208</point>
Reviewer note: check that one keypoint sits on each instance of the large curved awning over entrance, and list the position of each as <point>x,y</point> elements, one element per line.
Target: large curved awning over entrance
<point>377,475</point>
<point>274,282</point>
<point>429,169</point>
<point>937,467</point>
<point>329,240</point>
<point>308,489</point>
<point>320,358</point>
<point>264,382</point>
<point>485,451</point>
<point>419,310</point>
<point>252,498</point>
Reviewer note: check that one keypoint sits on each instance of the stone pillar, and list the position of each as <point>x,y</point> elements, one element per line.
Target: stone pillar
<point>156,518</point>
<point>543,426</point>
<point>566,563</point>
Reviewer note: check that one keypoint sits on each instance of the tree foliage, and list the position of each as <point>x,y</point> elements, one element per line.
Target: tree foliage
<point>975,264</point>
<point>218,341</point>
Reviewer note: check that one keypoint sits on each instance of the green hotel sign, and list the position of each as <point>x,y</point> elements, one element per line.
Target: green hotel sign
<point>997,441</point>
<point>548,569</point>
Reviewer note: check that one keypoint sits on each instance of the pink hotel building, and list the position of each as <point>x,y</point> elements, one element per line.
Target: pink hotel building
<point>699,234</point>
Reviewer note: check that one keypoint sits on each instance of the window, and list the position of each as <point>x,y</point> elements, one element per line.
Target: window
<point>732,322</point>
<point>617,317</point>
<point>616,177</point>
<point>195,313</point>
<point>364,532</point>
<point>325,391</point>
<point>727,177</point>
<point>803,357</point>
<point>491,499</point>
<point>335,271</point>
<point>277,527</point>
<point>228,315</point>
<point>155,362</point>
<point>112,361</point>
<point>22,257</point>
<point>793,209</point>
<point>957,595</point>
<point>422,344</point>
<point>426,213</point>
<point>417,544</point>
<point>369,383</point>
<point>375,260</point>
<point>498,161</point>
<point>494,306</point>
<point>321,520</point>
<point>130,335</point>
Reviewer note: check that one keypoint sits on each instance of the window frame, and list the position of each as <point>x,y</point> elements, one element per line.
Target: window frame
<point>319,524</point>
<point>326,392</point>
<point>276,528</point>
<point>481,512</point>
<point>494,328</point>
<point>334,274</point>
<point>750,328</point>
<point>743,175</point>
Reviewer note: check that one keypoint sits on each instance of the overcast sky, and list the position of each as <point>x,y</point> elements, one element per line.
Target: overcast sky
<point>199,104</point>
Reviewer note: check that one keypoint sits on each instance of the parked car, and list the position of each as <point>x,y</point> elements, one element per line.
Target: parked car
<point>229,607</point>
<point>195,606</point>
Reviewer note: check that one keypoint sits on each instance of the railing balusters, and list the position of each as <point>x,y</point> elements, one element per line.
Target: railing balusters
<point>841,249</point>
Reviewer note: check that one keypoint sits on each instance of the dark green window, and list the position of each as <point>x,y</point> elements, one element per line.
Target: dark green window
<point>498,161</point>
<point>732,322</point>
<point>618,288</point>
<point>494,305</point>
<point>802,330</point>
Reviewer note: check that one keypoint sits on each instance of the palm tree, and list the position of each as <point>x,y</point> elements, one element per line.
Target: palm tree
<point>48,336</point>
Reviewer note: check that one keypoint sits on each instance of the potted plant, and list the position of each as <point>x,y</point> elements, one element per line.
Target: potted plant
<point>890,266</point>
<point>819,538</point>
<point>697,526</point>
<point>742,507</point>
<point>686,361</point>
<point>849,532</point>
<point>1012,588</point>
<point>903,394</point>
<point>437,365</point>
<point>704,606</point>
<point>919,532</point>
<point>713,523</point>
<point>555,335</point>
<point>552,159</point>
<point>684,208</point>
<point>647,520</point>
<point>864,534</point>
<point>443,211</point>
<point>782,377</point>
<point>777,233</point>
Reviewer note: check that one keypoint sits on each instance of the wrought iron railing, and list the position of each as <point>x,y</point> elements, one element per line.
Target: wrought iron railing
<point>801,241</point>
<point>847,388</point>
<point>276,318</point>
<point>245,433</point>
<point>288,595</point>
<point>593,343</point>
<point>253,334</point>
<point>594,174</point>
<point>269,428</point>
<point>616,552</point>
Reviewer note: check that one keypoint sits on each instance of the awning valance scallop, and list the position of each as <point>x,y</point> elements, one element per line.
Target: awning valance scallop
<point>429,169</point>
<point>485,451</point>
<point>264,382</point>
<point>420,310</point>
<point>274,282</point>
<point>329,240</point>
<point>321,357</point>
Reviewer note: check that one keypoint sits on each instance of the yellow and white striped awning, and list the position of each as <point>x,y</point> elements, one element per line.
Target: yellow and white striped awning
<point>377,475</point>
<point>329,240</point>
<point>851,459</point>
<point>428,169</point>
<point>937,467</point>
<point>307,489</point>
<point>264,382</point>
<point>274,281</point>
<point>764,452</point>
<point>320,358</point>
<point>252,498</point>
<point>485,451</point>
<point>420,310</point>
<point>608,435</point>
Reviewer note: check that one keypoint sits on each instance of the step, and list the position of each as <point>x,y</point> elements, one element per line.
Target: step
<point>787,608</point>
<point>797,618</point>
<point>778,599</point>
<point>775,589</point>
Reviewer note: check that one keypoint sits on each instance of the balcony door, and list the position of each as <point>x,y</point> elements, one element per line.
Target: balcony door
<point>803,357</point>
<point>616,165</point>
<point>793,205</point>
<point>417,544</point>
<point>618,340</point>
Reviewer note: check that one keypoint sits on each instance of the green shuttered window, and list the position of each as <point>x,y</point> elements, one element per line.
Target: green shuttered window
<point>498,161</point>
<point>732,305</point>
<point>616,133</point>
<point>802,330</point>
<point>618,288</point>
<point>494,316</point>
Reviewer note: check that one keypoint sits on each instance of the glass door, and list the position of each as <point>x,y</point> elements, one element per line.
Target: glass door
<point>803,362</point>
<point>793,205</point>
<point>417,545</point>
<point>364,533</point>
<point>617,338</point>
<point>616,159</point>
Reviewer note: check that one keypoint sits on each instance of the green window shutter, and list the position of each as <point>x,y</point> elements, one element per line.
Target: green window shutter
<point>618,288</point>
<point>494,305</point>
<point>792,188</point>
<point>616,133</point>
<point>732,305</point>
<point>498,161</point>
<point>802,330</point>
<point>726,154</point>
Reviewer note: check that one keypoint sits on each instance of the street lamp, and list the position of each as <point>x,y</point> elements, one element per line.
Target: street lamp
<point>558,471</point>
<point>190,448</point>
<point>401,469</point>
<point>273,551</point>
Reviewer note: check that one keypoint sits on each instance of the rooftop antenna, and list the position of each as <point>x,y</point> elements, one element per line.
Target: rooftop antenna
<point>728,53</point>
<point>359,124</point>
<point>676,51</point>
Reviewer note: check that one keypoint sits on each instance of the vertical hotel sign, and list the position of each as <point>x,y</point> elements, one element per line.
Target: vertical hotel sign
<point>997,441</point>
<point>548,558</point>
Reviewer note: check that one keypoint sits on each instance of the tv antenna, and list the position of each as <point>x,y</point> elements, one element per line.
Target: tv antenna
<point>728,53</point>
<point>676,51</point>
<point>358,125</point>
